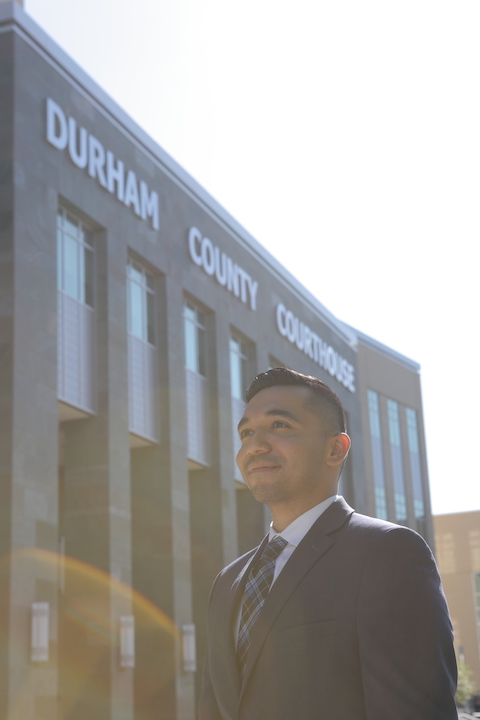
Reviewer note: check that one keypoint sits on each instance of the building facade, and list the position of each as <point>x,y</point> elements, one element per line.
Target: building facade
<point>134,311</point>
<point>457,539</point>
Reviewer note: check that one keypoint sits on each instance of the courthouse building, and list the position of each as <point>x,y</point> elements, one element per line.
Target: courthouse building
<point>134,311</point>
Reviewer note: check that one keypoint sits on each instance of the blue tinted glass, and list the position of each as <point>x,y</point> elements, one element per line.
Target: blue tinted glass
<point>236,375</point>
<point>59,259</point>
<point>190,345</point>
<point>70,267</point>
<point>135,310</point>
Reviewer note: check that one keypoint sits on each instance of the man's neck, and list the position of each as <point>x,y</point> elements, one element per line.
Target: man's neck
<point>283,516</point>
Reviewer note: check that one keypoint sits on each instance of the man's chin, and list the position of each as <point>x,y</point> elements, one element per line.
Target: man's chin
<point>265,492</point>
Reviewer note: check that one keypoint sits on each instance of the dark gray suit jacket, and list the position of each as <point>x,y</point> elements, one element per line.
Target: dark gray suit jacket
<point>355,626</point>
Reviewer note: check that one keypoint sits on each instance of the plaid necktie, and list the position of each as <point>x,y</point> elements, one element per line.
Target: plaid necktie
<point>256,590</point>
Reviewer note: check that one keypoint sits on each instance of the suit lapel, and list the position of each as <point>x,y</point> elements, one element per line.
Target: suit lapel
<point>316,542</point>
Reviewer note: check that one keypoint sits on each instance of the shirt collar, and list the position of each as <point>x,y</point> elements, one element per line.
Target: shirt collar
<point>296,531</point>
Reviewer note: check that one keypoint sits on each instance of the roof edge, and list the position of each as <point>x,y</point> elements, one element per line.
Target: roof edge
<point>386,351</point>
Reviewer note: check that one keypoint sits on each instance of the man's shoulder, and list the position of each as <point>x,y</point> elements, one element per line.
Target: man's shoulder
<point>358,528</point>
<point>385,536</point>
<point>234,568</point>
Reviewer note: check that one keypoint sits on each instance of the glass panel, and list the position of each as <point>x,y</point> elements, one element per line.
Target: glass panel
<point>236,370</point>
<point>135,310</point>
<point>189,312</point>
<point>71,225</point>
<point>88,276</point>
<point>415,466</point>
<point>412,430</point>
<point>70,267</point>
<point>377,455</point>
<point>374,414</point>
<point>135,273</point>
<point>381,503</point>
<point>59,260</point>
<point>235,346</point>
<point>202,363</point>
<point>150,318</point>
<point>81,272</point>
<point>190,346</point>
<point>397,463</point>
<point>393,423</point>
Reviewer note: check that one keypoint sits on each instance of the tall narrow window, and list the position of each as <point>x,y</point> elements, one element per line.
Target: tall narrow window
<point>397,463</point>
<point>196,383</point>
<point>377,456</point>
<point>415,466</point>
<point>76,317</point>
<point>142,358</point>
<point>140,303</point>
<point>238,380</point>
<point>238,368</point>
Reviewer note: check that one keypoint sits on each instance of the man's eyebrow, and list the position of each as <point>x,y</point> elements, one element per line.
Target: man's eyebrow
<point>274,412</point>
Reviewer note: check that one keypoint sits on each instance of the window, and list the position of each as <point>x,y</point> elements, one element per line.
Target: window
<point>140,303</point>
<point>196,385</point>
<point>194,328</point>
<point>415,467</point>
<point>75,315</point>
<point>142,355</point>
<point>238,368</point>
<point>74,258</point>
<point>238,381</point>
<point>397,463</point>
<point>377,456</point>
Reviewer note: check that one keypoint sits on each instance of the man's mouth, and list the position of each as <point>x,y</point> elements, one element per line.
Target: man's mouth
<point>261,468</point>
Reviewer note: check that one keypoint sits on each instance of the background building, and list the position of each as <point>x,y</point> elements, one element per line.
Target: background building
<point>133,313</point>
<point>457,539</point>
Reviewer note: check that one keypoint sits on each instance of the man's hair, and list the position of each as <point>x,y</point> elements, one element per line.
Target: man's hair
<point>322,399</point>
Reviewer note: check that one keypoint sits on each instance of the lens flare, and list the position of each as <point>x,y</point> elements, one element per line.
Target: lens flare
<point>86,604</point>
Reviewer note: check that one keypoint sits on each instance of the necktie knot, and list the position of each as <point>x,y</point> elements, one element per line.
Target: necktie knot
<point>274,547</point>
<point>271,552</point>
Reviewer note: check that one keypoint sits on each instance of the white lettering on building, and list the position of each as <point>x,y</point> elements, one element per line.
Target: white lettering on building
<point>299,334</point>
<point>86,152</point>
<point>227,273</point>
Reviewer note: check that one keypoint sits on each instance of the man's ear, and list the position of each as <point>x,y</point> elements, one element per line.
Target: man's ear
<point>339,447</point>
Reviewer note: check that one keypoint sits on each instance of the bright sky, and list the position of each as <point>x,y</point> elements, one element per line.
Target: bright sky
<point>345,137</point>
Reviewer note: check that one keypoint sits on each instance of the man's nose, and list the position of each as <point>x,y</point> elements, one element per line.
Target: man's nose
<point>258,444</point>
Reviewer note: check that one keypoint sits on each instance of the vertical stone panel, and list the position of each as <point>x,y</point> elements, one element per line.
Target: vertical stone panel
<point>97,516</point>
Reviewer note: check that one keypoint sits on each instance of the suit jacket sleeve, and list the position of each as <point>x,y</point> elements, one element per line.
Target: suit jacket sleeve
<point>404,633</point>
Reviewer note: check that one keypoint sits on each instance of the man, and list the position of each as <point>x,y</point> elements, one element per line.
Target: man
<point>354,622</point>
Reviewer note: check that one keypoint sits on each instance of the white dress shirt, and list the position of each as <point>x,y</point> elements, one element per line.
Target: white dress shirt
<point>293,534</point>
<point>296,531</point>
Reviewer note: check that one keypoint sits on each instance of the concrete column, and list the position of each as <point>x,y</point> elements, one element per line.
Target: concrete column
<point>161,529</point>
<point>97,519</point>
<point>28,422</point>
<point>212,490</point>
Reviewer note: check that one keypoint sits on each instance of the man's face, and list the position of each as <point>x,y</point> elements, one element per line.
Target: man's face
<point>285,448</point>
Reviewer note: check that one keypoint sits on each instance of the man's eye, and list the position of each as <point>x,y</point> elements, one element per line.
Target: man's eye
<point>245,433</point>
<point>279,424</point>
